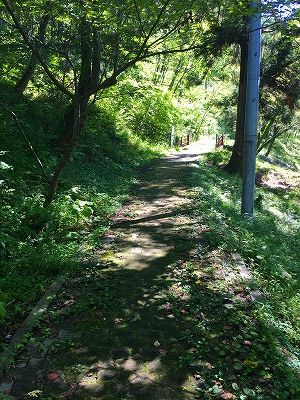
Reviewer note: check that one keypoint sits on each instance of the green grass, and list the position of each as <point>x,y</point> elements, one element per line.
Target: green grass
<point>37,244</point>
<point>269,244</point>
<point>287,150</point>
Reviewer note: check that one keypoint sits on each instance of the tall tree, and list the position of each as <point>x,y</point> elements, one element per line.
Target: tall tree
<point>98,41</point>
<point>219,38</point>
<point>235,163</point>
<point>280,54</point>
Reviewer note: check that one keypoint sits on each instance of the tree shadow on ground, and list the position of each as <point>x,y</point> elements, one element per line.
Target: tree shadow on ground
<point>154,334</point>
<point>169,329</point>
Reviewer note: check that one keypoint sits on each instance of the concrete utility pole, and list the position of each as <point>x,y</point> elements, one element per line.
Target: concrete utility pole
<point>251,113</point>
<point>172,136</point>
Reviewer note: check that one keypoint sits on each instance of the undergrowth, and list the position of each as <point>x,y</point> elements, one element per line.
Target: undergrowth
<point>269,244</point>
<point>36,244</point>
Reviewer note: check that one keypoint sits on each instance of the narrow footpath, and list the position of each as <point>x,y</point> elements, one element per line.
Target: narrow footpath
<point>123,328</point>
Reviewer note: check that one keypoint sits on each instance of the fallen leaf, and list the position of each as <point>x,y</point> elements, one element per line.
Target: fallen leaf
<point>227,395</point>
<point>248,392</point>
<point>250,363</point>
<point>162,352</point>
<point>53,376</point>
<point>167,306</point>
<point>35,393</point>
<point>216,389</point>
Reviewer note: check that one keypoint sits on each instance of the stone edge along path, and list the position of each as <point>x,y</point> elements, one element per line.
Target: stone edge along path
<point>7,355</point>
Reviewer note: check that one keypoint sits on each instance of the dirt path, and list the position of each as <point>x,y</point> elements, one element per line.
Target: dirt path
<point>111,333</point>
<point>156,223</point>
<point>165,313</point>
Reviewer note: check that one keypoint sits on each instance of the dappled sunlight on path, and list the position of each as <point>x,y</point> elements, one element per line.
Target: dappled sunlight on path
<point>124,326</point>
<point>162,312</point>
<point>111,336</point>
<point>160,211</point>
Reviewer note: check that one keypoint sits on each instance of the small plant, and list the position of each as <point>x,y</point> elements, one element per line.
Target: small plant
<point>217,157</point>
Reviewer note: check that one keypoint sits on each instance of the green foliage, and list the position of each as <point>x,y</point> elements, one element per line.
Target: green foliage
<point>217,157</point>
<point>2,310</point>
<point>4,396</point>
<point>126,126</point>
<point>286,149</point>
<point>152,118</point>
<point>36,243</point>
<point>268,243</point>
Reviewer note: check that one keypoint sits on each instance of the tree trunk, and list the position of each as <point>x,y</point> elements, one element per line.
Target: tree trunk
<point>186,69</point>
<point>235,164</point>
<point>88,70</point>
<point>33,61</point>
<point>74,131</point>
<point>176,73</point>
<point>76,114</point>
<point>27,75</point>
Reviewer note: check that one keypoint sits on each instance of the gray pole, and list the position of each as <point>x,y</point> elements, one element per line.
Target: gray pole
<point>172,136</point>
<point>251,113</point>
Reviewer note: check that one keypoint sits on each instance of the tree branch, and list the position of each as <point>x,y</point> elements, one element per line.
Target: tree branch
<point>112,80</point>
<point>156,22</point>
<point>139,17</point>
<point>262,145</point>
<point>170,51</point>
<point>275,23</point>
<point>37,54</point>
<point>166,35</point>
<point>39,162</point>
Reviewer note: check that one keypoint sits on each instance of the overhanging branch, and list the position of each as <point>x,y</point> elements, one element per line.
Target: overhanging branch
<point>36,53</point>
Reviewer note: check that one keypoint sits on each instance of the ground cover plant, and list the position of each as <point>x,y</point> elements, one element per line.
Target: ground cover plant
<point>267,244</point>
<point>92,95</point>
<point>38,243</point>
<point>210,317</point>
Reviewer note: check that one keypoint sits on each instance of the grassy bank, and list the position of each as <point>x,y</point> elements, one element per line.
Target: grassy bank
<point>270,246</point>
<point>37,244</point>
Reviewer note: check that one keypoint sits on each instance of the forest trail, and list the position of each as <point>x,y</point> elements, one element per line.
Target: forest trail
<point>157,221</point>
<point>112,332</point>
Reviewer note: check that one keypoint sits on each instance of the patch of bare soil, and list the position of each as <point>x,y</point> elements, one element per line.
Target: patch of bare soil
<point>274,180</point>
